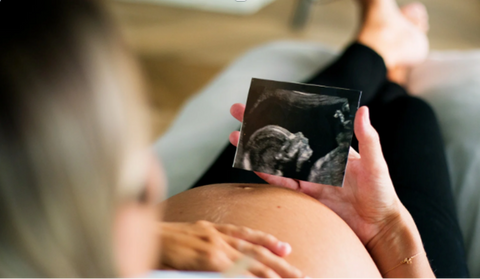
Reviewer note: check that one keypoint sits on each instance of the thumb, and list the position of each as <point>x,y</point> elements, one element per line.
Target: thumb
<point>368,139</point>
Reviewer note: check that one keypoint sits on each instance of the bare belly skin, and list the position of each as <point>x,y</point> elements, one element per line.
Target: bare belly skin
<point>323,244</point>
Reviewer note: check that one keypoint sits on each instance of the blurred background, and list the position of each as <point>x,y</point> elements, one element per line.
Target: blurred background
<point>184,44</point>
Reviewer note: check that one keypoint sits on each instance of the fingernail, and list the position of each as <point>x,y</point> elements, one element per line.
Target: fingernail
<point>366,118</point>
<point>285,247</point>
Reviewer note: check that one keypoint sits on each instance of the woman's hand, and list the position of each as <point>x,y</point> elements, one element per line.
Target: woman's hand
<point>367,202</point>
<point>204,246</point>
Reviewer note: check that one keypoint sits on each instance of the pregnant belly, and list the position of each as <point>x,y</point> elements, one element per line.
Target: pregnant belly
<point>323,244</point>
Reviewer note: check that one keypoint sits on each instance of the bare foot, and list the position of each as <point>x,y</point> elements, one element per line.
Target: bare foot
<point>417,14</point>
<point>399,36</point>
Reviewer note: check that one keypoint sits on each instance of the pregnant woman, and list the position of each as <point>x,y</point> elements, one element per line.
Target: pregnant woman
<point>396,206</point>
<point>79,190</point>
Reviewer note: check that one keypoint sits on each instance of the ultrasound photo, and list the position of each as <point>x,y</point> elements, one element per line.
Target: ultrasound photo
<point>298,131</point>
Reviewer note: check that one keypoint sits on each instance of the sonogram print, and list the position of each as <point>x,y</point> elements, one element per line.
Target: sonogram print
<point>298,131</point>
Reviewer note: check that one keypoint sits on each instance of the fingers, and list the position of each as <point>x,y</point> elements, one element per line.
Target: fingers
<point>262,247</point>
<point>257,237</point>
<point>368,139</point>
<point>234,138</point>
<point>279,181</point>
<point>237,111</point>
<point>265,263</point>
<point>262,271</point>
<point>208,247</point>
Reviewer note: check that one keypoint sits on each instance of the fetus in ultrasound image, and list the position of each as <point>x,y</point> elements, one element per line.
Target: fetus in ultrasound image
<point>298,131</point>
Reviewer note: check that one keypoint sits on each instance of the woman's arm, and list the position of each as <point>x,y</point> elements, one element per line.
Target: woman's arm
<point>398,250</point>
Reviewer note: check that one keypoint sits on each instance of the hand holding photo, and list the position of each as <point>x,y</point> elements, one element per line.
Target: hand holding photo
<point>298,131</point>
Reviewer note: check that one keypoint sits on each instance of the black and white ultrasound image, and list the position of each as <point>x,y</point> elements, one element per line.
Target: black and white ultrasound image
<point>298,131</point>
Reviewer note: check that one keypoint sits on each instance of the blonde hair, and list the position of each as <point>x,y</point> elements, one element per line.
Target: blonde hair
<point>71,120</point>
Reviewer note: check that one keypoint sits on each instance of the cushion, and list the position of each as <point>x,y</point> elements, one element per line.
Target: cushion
<point>449,81</point>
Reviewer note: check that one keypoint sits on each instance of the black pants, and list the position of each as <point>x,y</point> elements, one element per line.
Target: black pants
<point>413,148</point>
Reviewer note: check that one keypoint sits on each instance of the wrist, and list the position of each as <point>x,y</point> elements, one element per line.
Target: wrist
<point>397,242</point>
<point>399,228</point>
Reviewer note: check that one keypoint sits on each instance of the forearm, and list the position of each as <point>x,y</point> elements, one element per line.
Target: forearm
<point>398,250</point>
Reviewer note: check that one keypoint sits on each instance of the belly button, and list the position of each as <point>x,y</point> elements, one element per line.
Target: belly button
<point>246,187</point>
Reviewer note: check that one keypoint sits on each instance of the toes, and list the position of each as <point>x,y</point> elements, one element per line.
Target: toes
<point>417,14</point>
<point>415,10</point>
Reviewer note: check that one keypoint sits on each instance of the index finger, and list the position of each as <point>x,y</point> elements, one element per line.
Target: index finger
<point>257,237</point>
<point>237,111</point>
